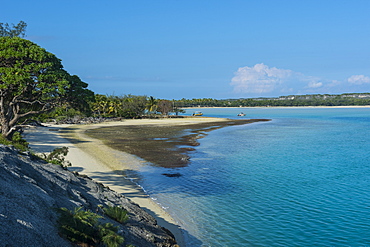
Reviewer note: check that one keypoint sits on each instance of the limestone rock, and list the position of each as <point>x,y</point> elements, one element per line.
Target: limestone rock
<point>31,190</point>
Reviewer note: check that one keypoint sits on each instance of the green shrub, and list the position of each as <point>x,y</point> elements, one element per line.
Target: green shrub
<point>78,225</point>
<point>109,236</point>
<point>59,114</point>
<point>17,141</point>
<point>57,157</point>
<point>83,227</point>
<point>129,114</point>
<point>116,213</point>
<point>5,141</point>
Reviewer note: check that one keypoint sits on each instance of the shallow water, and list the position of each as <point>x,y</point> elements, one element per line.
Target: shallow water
<point>300,180</point>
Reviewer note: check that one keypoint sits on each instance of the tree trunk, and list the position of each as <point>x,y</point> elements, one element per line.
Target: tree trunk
<point>5,129</point>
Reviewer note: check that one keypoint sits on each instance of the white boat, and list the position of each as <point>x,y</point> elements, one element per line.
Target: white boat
<point>241,114</point>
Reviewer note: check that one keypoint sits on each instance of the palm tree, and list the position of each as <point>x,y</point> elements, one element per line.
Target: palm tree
<point>100,104</point>
<point>152,104</point>
<point>114,105</point>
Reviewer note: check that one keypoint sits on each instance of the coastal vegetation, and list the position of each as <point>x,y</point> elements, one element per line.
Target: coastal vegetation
<point>34,86</point>
<point>57,157</point>
<point>83,227</point>
<point>11,30</point>
<point>116,213</point>
<point>131,106</point>
<point>33,81</point>
<point>17,141</point>
<point>347,99</point>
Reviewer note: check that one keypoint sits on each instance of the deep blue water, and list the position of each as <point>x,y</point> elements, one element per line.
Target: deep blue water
<point>302,179</point>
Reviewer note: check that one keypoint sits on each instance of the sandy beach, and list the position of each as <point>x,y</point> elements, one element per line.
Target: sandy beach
<point>105,165</point>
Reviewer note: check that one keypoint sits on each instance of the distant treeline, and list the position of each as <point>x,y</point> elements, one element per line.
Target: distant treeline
<point>291,100</point>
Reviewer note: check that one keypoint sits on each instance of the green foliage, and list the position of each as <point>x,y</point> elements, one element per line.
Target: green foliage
<point>291,100</point>
<point>177,110</point>
<point>109,236</point>
<point>128,114</point>
<point>65,112</point>
<point>83,227</point>
<point>60,114</point>
<point>78,225</point>
<point>165,106</point>
<point>116,213</point>
<point>127,106</point>
<point>5,141</point>
<point>57,157</point>
<point>14,30</point>
<point>152,104</point>
<point>17,141</point>
<point>130,106</point>
<point>33,81</point>
<point>77,96</point>
<point>134,104</point>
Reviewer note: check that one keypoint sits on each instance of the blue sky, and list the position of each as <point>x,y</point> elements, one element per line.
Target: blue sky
<point>205,48</point>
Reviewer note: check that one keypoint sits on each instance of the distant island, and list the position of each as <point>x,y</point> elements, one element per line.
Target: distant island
<point>347,99</point>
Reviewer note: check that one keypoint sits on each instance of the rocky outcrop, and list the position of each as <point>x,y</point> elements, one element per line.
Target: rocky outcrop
<point>31,190</point>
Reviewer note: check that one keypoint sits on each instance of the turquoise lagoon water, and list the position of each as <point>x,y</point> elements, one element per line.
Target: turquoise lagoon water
<point>302,179</point>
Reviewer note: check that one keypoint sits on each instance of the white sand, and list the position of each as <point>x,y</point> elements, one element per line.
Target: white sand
<point>105,165</point>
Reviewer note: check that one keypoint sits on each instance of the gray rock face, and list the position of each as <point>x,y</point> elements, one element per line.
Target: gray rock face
<point>31,190</point>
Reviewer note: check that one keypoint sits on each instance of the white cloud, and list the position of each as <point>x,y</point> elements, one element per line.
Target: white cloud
<point>259,79</point>
<point>314,84</point>
<point>359,79</point>
<point>262,80</point>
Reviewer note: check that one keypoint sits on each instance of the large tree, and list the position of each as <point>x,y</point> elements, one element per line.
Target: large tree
<point>32,81</point>
<point>133,106</point>
<point>165,106</point>
<point>77,95</point>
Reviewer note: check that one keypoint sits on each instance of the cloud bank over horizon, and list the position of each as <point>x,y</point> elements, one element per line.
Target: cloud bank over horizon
<point>359,79</point>
<point>262,80</point>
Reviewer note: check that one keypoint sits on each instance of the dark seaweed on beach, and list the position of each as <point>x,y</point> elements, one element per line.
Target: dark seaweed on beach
<point>162,145</point>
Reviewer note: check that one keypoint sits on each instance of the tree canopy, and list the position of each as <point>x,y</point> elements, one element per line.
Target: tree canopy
<point>77,95</point>
<point>32,81</point>
<point>165,106</point>
<point>18,30</point>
